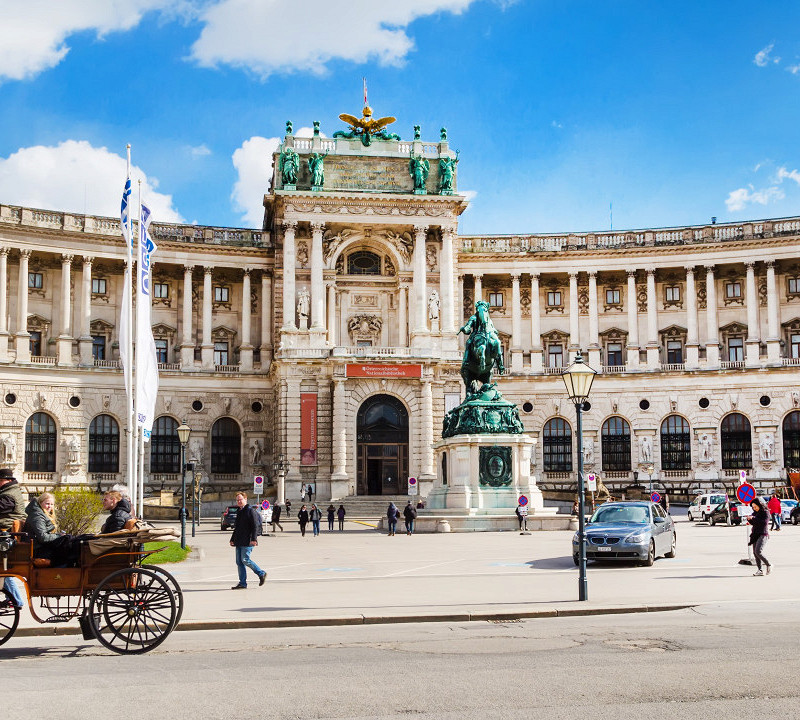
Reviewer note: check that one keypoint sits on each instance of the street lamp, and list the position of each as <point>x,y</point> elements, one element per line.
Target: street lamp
<point>281,467</point>
<point>183,436</point>
<point>650,468</point>
<point>578,378</point>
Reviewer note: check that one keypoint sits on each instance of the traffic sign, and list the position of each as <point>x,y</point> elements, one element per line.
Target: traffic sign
<point>592,481</point>
<point>258,484</point>
<point>742,476</point>
<point>265,505</point>
<point>413,488</point>
<point>746,493</point>
<point>655,497</point>
<point>523,500</point>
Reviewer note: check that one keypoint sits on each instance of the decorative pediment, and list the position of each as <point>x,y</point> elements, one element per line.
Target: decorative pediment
<point>555,336</point>
<point>673,331</point>
<point>793,324</point>
<point>100,327</point>
<point>365,328</point>
<point>734,328</point>
<point>37,323</point>
<point>164,332</point>
<point>222,334</point>
<point>614,334</point>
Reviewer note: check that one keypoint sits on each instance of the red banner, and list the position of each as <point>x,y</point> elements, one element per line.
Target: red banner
<point>308,428</point>
<point>384,371</point>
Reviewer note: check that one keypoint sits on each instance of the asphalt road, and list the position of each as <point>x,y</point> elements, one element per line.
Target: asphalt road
<point>735,660</point>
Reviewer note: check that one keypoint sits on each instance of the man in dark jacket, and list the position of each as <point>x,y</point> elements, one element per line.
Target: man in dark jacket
<point>120,509</point>
<point>12,507</point>
<point>244,539</point>
<point>276,517</point>
<point>410,515</point>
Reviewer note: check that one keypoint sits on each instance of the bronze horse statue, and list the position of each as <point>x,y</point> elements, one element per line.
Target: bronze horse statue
<point>483,350</point>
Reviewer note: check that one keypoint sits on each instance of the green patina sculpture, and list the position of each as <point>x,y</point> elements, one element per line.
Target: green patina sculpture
<point>447,172</point>
<point>443,134</point>
<point>417,132</point>
<point>366,128</point>
<point>418,168</point>
<point>288,165</point>
<point>316,167</point>
<point>484,410</point>
<point>316,128</point>
<point>289,127</point>
<point>495,466</point>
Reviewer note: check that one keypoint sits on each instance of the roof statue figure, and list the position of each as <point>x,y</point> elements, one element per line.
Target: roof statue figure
<point>288,165</point>
<point>366,128</point>
<point>317,169</point>
<point>418,168</point>
<point>447,172</point>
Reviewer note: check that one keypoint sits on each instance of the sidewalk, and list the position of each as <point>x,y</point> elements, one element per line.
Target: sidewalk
<point>361,576</point>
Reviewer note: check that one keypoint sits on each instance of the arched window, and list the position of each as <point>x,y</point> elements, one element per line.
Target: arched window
<point>226,446</point>
<point>616,442</point>
<point>791,440</point>
<point>676,448</point>
<point>363,262</point>
<point>735,441</point>
<point>40,443</point>
<point>557,446</point>
<point>165,447</point>
<point>104,445</point>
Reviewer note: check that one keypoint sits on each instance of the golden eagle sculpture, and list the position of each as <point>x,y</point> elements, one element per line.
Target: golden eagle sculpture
<point>366,128</point>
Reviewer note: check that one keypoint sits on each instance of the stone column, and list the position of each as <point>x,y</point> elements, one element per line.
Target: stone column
<point>4,304</point>
<point>64,342</point>
<point>426,422</point>
<point>712,323</point>
<point>266,320</point>
<point>339,431</point>
<point>478,291</point>
<point>516,326</point>
<point>753,344</point>
<point>332,313</point>
<point>289,263</point>
<point>692,343</point>
<point>402,316</point>
<point>22,337</point>
<point>246,347</point>
<point>317,284</point>
<point>536,326</point>
<point>207,347</point>
<point>420,277</point>
<point>633,322</point>
<point>773,320</point>
<point>653,346</point>
<point>85,340</point>
<point>574,315</point>
<point>187,332</point>
<point>459,308</point>
<point>594,322</point>
<point>446,282</point>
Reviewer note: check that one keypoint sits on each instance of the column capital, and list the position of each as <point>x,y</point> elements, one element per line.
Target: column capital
<point>208,269</point>
<point>535,276</point>
<point>25,252</point>
<point>632,272</point>
<point>770,264</point>
<point>689,269</point>
<point>750,265</point>
<point>710,268</point>
<point>66,258</point>
<point>592,274</point>
<point>515,276</point>
<point>188,269</point>
<point>573,275</point>
<point>88,259</point>
<point>651,271</point>
<point>3,250</point>
<point>289,224</point>
<point>420,229</point>
<point>317,226</point>
<point>477,276</point>
<point>448,230</point>
<point>246,271</point>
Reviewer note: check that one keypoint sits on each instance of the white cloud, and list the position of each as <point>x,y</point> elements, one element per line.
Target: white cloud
<point>33,33</point>
<point>278,35</point>
<point>742,197</point>
<point>253,162</point>
<point>794,69</point>
<point>784,174</point>
<point>200,150</point>
<point>762,58</point>
<point>76,177</point>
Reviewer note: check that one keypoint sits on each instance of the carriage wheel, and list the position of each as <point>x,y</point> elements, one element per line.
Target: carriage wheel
<point>173,585</point>
<point>9,616</point>
<point>132,611</point>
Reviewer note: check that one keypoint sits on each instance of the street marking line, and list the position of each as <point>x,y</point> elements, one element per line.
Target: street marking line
<point>424,567</point>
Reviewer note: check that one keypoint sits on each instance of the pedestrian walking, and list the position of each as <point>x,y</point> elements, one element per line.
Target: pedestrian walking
<point>664,502</point>
<point>774,506</point>
<point>331,516</point>
<point>392,513</point>
<point>522,515</point>
<point>302,517</point>
<point>288,507</point>
<point>759,535</point>
<point>340,513</point>
<point>244,538</point>
<point>276,517</point>
<point>316,516</point>
<point>409,515</point>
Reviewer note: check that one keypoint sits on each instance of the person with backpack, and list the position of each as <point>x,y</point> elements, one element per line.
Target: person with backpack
<point>315,516</point>
<point>331,516</point>
<point>392,514</point>
<point>246,530</point>
<point>340,513</point>
<point>410,515</point>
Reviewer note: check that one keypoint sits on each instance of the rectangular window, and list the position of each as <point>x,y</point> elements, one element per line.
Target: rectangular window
<point>735,349</point>
<point>674,352</point>
<point>554,298</point>
<point>220,353</point>
<point>99,347</point>
<point>98,286</point>
<point>496,299</point>
<point>221,293</point>
<point>35,280</point>
<point>612,296</point>
<point>555,356</point>
<point>614,354</point>
<point>794,286</point>
<point>162,348</point>
<point>160,290</point>
<point>36,342</point>
<point>672,293</point>
<point>733,290</point>
<point>794,341</point>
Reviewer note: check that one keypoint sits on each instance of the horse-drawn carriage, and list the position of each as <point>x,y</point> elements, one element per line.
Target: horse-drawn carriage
<point>128,606</point>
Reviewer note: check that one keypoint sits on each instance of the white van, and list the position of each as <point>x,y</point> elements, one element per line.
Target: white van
<point>702,505</point>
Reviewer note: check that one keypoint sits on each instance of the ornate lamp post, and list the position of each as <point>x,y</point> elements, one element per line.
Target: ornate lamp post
<point>281,467</point>
<point>183,435</point>
<point>578,378</point>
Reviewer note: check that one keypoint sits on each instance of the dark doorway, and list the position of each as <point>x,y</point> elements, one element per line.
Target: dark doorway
<point>382,430</point>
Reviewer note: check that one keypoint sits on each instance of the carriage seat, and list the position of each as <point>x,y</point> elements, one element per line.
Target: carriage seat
<point>41,562</point>
<point>130,524</point>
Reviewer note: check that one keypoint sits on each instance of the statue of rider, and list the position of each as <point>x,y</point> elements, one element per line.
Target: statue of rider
<point>481,331</point>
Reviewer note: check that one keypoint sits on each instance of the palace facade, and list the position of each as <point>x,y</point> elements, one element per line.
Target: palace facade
<point>328,338</point>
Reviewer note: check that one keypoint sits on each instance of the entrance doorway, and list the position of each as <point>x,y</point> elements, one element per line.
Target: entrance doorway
<point>382,432</point>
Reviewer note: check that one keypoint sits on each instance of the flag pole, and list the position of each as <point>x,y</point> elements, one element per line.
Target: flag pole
<point>128,229</point>
<point>139,349</point>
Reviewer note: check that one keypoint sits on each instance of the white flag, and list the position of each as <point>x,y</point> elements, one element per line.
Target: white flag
<point>146,359</point>
<point>124,321</point>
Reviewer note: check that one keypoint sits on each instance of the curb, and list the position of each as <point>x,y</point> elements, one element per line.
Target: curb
<point>50,630</point>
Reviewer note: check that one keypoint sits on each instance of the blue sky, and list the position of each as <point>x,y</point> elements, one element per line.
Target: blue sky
<point>674,112</point>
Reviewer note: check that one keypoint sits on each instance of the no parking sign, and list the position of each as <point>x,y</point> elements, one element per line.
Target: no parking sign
<point>413,488</point>
<point>265,505</point>
<point>746,493</point>
<point>258,484</point>
<point>655,497</point>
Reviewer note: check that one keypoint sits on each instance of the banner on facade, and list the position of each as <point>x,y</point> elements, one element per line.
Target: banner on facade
<point>384,371</point>
<point>308,428</point>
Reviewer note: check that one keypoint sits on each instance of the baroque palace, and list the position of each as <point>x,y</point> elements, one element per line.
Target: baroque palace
<point>328,338</point>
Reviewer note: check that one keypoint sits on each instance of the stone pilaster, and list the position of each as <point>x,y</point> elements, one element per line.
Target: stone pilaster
<point>753,344</point>
<point>64,342</point>
<point>246,348</point>
<point>427,470</point>
<point>85,340</point>
<point>420,286</point>
<point>207,346</point>
<point>574,315</point>
<point>536,326</point>
<point>653,345</point>
<point>633,322</point>
<point>516,326</point>
<point>712,322</point>
<point>187,332</point>
<point>318,328</point>
<point>289,262</point>
<point>692,343</point>
<point>4,304</point>
<point>594,322</point>
<point>446,282</point>
<point>773,320</point>
<point>22,336</point>
<point>266,320</point>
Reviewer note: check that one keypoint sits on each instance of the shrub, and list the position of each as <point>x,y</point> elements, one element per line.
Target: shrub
<point>77,510</point>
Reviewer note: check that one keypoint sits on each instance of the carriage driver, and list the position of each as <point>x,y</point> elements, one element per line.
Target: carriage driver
<point>12,507</point>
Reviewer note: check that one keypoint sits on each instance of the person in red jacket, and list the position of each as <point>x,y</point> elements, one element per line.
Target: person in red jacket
<point>774,506</point>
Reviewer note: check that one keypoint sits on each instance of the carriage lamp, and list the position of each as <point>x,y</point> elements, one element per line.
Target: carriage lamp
<point>183,436</point>
<point>578,379</point>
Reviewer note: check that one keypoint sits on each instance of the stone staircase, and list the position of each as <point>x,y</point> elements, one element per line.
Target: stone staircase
<point>369,506</point>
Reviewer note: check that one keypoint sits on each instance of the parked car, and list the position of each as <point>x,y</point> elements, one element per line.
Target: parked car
<point>786,509</point>
<point>628,531</point>
<point>723,510</point>
<point>228,517</point>
<point>703,505</point>
<point>795,515</point>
